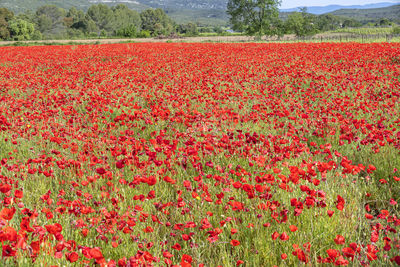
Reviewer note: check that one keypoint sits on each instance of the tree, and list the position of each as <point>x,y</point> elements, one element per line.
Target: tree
<point>50,20</point>
<point>4,32</point>
<point>5,16</point>
<point>385,22</point>
<point>189,29</point>
<point>328,22</point>
<point>156,22</point>
<point>302,23</point>
<point>73,16</point>
<point>21,30</point>
<point>102,16</point>
<point>86,25</point>
<point>351,23</point>
<point>254,17</point>
<point>125,20</point>
<point>128,31</point>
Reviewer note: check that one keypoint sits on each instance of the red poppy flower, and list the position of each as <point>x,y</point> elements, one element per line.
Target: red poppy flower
<point>235,242</point>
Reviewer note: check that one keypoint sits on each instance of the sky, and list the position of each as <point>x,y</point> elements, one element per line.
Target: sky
<point>297,3</point>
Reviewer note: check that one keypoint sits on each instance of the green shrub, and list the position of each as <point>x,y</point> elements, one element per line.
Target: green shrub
<point>144,34</point>
<point>396,30</point>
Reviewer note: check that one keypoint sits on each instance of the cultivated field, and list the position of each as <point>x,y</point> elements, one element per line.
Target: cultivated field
<point>355,35</point>
<point>157,154</point>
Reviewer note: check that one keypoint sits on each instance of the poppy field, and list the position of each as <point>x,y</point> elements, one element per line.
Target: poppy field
<point>200,155</point>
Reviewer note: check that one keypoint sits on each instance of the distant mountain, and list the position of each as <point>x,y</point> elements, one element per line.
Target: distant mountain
<point>327,9</point>
<point>209,12</point>
<point>206,12</point>
<point>23,5</point>
<point>370,15</point>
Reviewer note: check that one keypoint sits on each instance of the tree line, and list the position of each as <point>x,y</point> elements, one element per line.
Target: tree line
<point>262,18</point>
<point>251,17</point>
<point>52,22</point>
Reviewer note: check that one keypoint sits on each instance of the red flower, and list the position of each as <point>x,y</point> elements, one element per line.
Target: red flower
<point>284,236</point>
<point>7,214</point>
<point>10,234</point>
<point>95,253</point>
<point>8,251</point>
<point>340,203</point>
<point>333,253</point>
<point>168,255</point>
<point>101,171</point>
<point>18,194</point>
<point>235,242</point>
<point>177,246</point>
<point>72,257</point>
<point>53,228</point>
<point>339,240</point>
<point>275,235</point>
<point>120,164</point>
<point>239,262</point>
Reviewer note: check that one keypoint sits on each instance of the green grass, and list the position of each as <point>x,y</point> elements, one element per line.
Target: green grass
<point>257,246</point>
<point>365,31</point>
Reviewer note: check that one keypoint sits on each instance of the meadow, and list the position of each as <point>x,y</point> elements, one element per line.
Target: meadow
<point>200,154</point>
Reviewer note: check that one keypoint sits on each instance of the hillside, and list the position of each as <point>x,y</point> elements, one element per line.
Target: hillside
<point>209,12</point>
<point>206,12</point>
<point>23,5</point>
<point>318,10</point>
<point>368,15</point>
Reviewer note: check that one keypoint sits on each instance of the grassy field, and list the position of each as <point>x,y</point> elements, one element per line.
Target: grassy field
<point>200,154</point>
<point>365,31</point>
<point>335,37</point>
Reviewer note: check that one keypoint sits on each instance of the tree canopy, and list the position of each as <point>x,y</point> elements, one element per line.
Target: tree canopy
<point>254,17</point>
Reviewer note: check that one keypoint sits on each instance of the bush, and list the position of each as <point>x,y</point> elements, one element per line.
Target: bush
<point>144,34</point>
<point>129,31</point>
<point>396,30</point>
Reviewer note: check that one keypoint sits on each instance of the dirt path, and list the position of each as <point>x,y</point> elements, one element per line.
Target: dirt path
<point>144,40</point>
<point>198,39</point>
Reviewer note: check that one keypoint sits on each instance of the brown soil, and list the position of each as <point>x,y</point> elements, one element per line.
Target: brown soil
<point>226,39</point>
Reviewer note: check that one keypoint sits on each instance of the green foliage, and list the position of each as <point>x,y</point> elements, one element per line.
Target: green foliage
<point>156,22</point>
<point>37,35</point>
<point>189,29</point>
<point>302,23</point>
<point>5,16</point>
<point>103,33</point>
<point>144,34</point>
<point>328,22</point>
<point>366,30</point>
<point>4,32</point>
<point>259,17</point>
<point>218,30</point>
<point>87,25</point>
<point>50,20</point>
<point>371,15</point>
<point>384,22</point>
<point>125,18</point>
<point>102,16</point>
<point>21,30</point>
<point>347,23</point>
<point>75,14</point>
<point>396,30</point>
<point>128,31</point>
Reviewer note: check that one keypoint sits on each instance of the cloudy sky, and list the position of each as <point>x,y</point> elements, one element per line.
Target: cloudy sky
<point>296,3</point>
